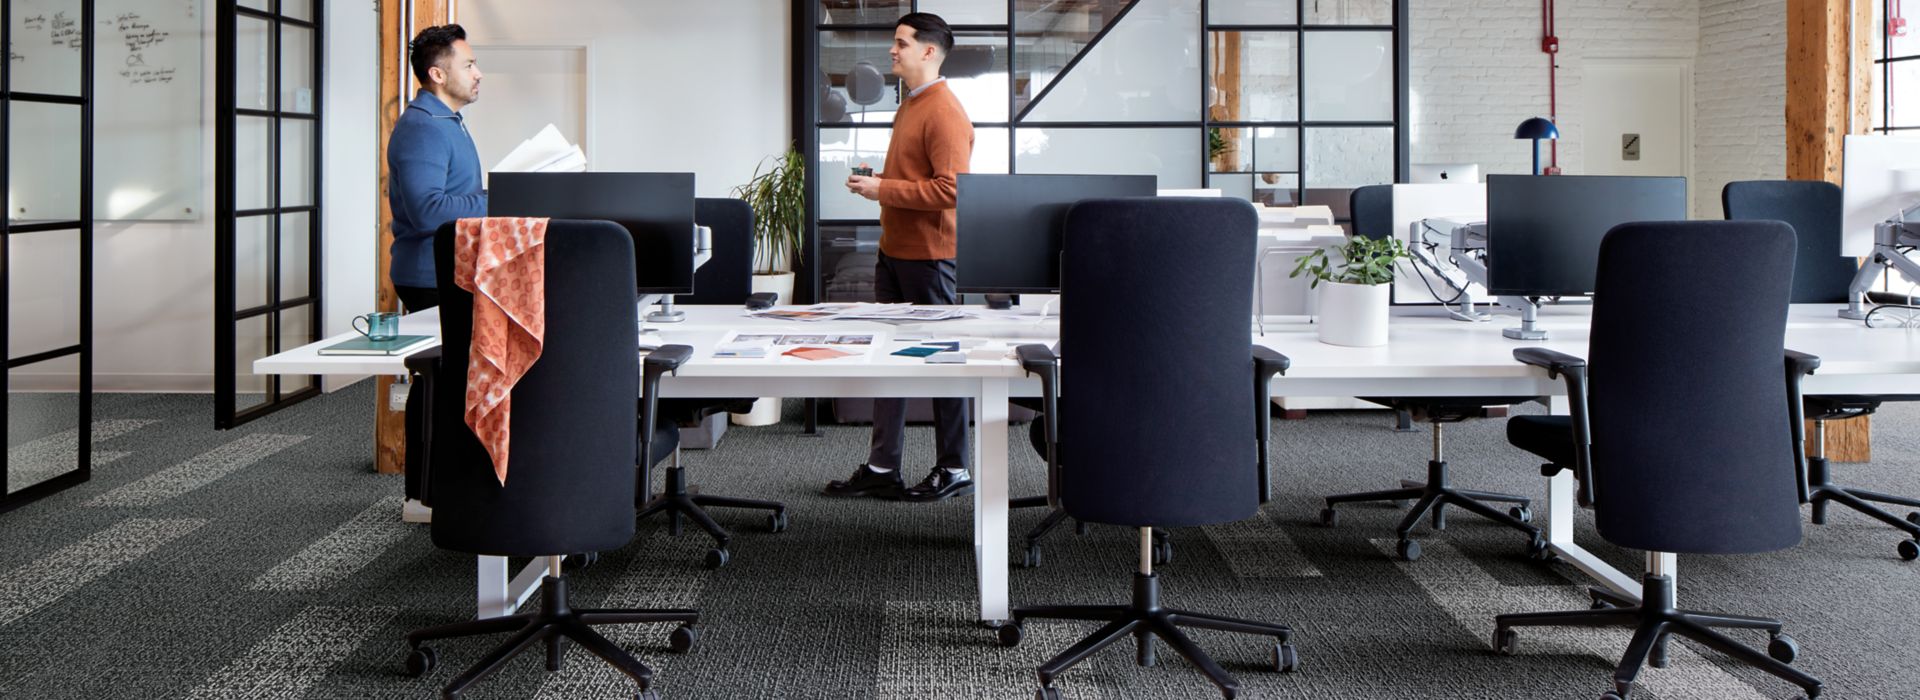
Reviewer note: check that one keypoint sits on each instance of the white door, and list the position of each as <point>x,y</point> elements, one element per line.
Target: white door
<point>1639,118</point>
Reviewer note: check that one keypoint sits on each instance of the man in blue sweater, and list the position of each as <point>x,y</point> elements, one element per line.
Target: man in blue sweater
<point>433,168</point>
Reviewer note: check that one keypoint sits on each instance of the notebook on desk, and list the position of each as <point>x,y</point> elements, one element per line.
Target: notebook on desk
<point>397,345</point>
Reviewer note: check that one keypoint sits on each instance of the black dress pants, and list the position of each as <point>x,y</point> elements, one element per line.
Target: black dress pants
<point>928,282</point>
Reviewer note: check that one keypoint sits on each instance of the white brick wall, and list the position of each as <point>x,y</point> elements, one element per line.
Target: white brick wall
<point>1477,72</point>
<point>1740,97</point>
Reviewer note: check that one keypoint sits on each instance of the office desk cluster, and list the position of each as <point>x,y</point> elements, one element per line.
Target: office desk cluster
<point>1428,355</point>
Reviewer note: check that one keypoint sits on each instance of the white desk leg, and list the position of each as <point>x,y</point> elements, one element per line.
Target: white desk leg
<point>499,596</point>
<point>1560,506</point>
<point>990,498</point>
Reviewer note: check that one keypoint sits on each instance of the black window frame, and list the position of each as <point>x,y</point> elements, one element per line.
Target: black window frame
<point>1884,64</point>
<point>227,315</point>
<point>808,27</point>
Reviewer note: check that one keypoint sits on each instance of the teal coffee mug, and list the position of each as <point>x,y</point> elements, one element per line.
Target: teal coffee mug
<point>380,325</point>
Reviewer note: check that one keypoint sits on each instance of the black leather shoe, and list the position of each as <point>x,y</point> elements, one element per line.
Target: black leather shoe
<point>940,484</point>
<point>867,482</point>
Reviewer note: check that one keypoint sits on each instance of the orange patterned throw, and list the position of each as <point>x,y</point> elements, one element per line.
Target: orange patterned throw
<point>503,262</point>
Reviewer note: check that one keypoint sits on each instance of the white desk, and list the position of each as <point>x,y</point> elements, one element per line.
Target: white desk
<point>1429,355</point>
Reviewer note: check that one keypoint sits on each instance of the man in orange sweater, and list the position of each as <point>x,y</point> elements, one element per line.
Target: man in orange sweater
<point>932,144</point>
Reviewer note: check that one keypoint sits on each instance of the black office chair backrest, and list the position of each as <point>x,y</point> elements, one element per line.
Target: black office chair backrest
<point>1813,208</point>
<point>1692,445</point>
<point>1372,211</point>
<point>570,478</point>
<point>727,278</point>
<point>1157,391</point>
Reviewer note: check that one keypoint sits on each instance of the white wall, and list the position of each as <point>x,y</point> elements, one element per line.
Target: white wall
<point>1478,72</point>
<point>153,282</point>
<point>701,87</point>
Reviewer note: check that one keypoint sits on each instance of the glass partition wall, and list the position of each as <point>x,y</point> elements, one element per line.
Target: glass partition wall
<point>1281,102</point>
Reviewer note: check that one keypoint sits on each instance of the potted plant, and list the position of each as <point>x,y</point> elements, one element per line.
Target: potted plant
<point>1353,306</point>
<point>778,195</point>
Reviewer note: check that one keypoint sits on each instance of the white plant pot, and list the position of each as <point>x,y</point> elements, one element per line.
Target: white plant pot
<point>1353,315</point>
<point>766,411</point>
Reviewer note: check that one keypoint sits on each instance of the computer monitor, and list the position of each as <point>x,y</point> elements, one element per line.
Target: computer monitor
<point>1446,173</point>
<point>1543,232</point>
<point>656,208</point>
<point>1010,226</point>
<point>1882,181</point>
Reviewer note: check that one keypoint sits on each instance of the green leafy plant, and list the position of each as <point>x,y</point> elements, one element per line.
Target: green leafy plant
<point>1216,144</point>
<point>1362,261</point>
<point>778,195</point>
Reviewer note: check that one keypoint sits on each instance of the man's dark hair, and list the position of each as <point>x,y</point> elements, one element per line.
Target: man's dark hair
<point>431,45</point>
<point>928,28</point>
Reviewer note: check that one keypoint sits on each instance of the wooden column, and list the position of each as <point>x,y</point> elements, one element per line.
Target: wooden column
<point>1822,108</point>
<point>399,21</point>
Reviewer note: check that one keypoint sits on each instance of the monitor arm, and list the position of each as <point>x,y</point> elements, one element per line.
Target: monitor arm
<point>702,252</point>
<point>1467,243</point>
<point>1901,231</point>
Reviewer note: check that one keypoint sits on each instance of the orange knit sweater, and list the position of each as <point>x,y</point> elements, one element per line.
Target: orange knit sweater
<point>932,144</point>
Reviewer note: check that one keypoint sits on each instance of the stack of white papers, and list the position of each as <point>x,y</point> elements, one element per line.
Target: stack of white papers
<point>891,313</point>
<point>546,152</point>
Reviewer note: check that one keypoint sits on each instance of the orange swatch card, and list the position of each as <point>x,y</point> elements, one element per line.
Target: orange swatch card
<point>816,353</point>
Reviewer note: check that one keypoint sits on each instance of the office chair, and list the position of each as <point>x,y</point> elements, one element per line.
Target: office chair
<point>1373,218</point>
<point>572,453</point>
<point>1688,439</point>
<point>1821,276</point>
<point>1156,421</point>
<point>727,278</point>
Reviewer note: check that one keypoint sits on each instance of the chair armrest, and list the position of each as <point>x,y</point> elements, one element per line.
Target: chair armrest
<point>1266,363</point>
<point>666,359</point>
<point>1799,364</point>
<point>762,300</point>
<point>1039,360</point>
<point>1555,362</point>
<point>1574,371</point>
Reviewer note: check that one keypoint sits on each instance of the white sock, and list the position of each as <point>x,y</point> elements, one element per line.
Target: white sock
<point>955,471</point>
<point>879,470</point>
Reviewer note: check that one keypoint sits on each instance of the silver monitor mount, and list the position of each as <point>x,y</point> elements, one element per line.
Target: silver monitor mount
<point>1889,238</point>
<point>1467,243</point>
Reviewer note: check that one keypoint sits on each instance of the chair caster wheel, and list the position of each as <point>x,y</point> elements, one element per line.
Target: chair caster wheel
<point>1329,517</point>
<point>1163,552</point>
<point>1539,550</point>
<point>1047,693</point>
<point>576,562</point>
<point>777,522</point>
<point>648,694</point>
<point>1032,558</point>
<point>718,557</point>
<point>1285,659</point>
<point>1079,528</point>
<point>682,639</point>
<point>1010,634</point>
<point>1505,641</point>
<point>1783,649</point>
<point>1612,695</point>
<point>1657,657</point>
<point>1599,603</point>
<point>1914,517</point>
<point>1521,513</point>
<point>1910,550</point>
<point>421,661</point>
<point>1402,504</point>
<point>1410,550</point>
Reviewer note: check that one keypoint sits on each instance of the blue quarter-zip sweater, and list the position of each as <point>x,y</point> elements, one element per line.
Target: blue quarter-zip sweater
<point>433,178</point>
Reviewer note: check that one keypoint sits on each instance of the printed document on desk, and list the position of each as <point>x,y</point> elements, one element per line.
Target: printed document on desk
<point>764,344</point>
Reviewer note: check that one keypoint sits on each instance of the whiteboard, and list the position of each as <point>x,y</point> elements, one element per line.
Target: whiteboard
<point>148,136</point>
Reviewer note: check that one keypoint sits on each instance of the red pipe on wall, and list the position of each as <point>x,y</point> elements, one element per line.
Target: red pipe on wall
<point>1550,45</point>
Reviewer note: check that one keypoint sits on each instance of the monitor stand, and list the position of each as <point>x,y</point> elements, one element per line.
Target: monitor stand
<point>1529,308</point>
<point>666,314</point>
<point>1000,302</point>
<point>1888,238</point>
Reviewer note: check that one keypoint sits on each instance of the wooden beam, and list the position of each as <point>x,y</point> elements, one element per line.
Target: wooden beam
<point>399,21</point>
<point>1829,94</point>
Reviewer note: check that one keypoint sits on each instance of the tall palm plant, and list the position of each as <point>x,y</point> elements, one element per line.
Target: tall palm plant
<point>778,195</point>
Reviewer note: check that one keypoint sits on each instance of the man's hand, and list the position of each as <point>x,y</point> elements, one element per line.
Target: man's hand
<point>864,186</point>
